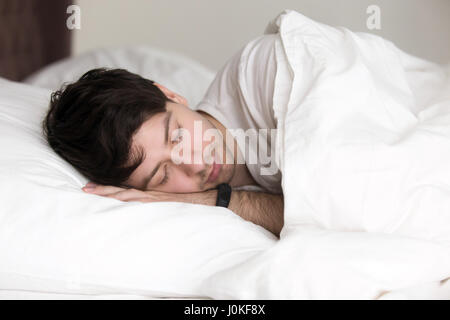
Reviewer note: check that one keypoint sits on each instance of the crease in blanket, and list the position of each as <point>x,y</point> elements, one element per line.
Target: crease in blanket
<point>365,156</point>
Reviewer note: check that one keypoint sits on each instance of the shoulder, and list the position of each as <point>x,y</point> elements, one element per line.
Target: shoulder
<point>242,89</point>
<point>251,58</point>
<point>260,46</point>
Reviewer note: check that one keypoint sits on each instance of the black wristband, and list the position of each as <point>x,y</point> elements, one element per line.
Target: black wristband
<point>223,195</point>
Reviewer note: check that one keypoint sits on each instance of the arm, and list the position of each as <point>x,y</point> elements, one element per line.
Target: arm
<point>264,209</point>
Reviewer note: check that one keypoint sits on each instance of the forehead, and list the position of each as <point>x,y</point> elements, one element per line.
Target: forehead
<point>149,139</point>
<point>150,129</point>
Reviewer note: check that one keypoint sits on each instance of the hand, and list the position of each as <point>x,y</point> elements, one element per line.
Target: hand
<point>128,195</point>
<point>260,208</point>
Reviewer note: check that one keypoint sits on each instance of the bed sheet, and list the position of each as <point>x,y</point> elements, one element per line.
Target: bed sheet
<point>437,291</point>
<point>363,146</point>
<point>36,295</point>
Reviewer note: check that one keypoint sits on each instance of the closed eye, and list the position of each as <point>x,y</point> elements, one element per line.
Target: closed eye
<point>166,176</point>
<point>179,134</point>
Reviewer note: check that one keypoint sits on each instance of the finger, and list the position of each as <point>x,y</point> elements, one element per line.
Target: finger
<point>138,200</point>
<point>101,189</point>
<point>127,195</point>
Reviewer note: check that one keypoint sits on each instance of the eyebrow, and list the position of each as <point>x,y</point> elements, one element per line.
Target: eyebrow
<point>166,141</point>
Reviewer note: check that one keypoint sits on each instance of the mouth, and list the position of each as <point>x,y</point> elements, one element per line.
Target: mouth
<point>214,172</point>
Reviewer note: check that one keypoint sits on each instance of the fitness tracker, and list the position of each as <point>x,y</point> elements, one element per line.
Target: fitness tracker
<point>223,195</point>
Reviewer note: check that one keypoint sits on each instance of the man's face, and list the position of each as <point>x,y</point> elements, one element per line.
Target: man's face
<point>159,135</point>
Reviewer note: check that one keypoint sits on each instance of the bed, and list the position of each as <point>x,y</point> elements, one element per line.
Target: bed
<point>35,49</point>
<point>57,242</point>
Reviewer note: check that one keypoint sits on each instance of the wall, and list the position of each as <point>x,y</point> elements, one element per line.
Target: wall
<point>211,30</point>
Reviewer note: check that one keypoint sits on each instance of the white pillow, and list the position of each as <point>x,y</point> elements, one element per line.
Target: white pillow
<point>56,238</point>
<point>176,72</point>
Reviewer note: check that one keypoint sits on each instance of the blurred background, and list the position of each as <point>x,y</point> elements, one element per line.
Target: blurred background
<point>209,31</point>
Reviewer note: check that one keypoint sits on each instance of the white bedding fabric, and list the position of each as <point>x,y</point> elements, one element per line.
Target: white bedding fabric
<point>175,71</point>
<point>36,295</point>
<point>364,148</point>
<point>57,241</point>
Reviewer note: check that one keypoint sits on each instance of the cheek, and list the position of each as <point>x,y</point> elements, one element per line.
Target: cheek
<point>199,140</point>
<point>180,182</point>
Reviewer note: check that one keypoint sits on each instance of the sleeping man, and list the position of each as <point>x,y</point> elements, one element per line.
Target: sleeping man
<point>137,140</point>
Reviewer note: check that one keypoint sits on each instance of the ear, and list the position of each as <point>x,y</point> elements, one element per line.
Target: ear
<point>172,95</point>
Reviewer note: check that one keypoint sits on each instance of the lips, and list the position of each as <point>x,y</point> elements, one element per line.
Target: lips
<point>214,172</point>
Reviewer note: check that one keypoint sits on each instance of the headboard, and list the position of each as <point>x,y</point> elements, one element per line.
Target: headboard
<point>33,33</point>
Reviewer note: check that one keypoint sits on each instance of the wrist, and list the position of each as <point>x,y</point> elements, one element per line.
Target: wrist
<point>223,195</point>
<point>236,201</point>
<point>207,197</point>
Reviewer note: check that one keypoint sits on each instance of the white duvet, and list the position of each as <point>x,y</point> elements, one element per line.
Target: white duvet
<point>364,148</point>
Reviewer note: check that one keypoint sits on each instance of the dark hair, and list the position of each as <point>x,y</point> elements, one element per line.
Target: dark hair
<point>91,122</point>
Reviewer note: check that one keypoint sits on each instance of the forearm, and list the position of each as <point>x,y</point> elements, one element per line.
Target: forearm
<point>264,209</point>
